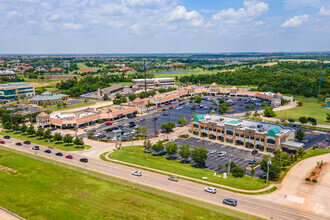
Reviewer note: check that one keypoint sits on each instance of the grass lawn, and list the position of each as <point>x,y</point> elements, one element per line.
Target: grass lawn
<point>135,155</point>
<point>310,108</point>
<point>35,189</point>
<point>83,104</point>
<point>41,141</point>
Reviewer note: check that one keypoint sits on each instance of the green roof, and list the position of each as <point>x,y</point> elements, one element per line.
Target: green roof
<point>198,117</point>
<point>273,131</point>
<point>233,122</point>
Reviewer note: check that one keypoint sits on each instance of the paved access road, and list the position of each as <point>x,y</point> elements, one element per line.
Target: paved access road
<point>246,203</point>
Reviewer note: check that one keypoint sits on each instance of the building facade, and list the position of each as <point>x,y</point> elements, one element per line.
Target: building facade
<point>12,90</point>
<point>251,134</point>
<point>152,83</point>
<point>48,98</point>
<point>8,73</point>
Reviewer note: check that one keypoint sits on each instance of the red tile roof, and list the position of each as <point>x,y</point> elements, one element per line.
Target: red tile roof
<point>42,115</point>
<point>214,84</point>
<point>264,96</point>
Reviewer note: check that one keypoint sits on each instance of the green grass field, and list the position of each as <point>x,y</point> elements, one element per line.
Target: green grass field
<point>41,141</point>
<point>83,104</point>
<point>310,108</point>
<point>35,189</point>
<point>137,156</point>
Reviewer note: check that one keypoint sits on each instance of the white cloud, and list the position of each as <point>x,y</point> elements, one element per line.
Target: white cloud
<point>180,14</point>
<point>72,26</point>
<point>146,3</point>
<point>251,9</point>
<point>135,28</point>
<point>54,17</point>
<point>324,11</point>
<point>295,21</point>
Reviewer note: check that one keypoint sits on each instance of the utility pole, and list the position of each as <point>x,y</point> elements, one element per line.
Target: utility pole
<point>229,165</point>
<point>269,162</point>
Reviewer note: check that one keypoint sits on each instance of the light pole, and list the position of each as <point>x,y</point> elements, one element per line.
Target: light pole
<point>145,77</point>
<point>269,162</point>
<point>229,165</point>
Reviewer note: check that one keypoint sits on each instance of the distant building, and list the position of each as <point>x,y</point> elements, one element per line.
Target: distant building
<point>55,69</point>
<point>48,98</point>
<point>12,90</point>
<point>109,90</point>
<point>43,119</point>
<point>178,65</point>
<point>127,69</point>
<point>155,82</point>
<point>8,73</point>
<point>66,64</point>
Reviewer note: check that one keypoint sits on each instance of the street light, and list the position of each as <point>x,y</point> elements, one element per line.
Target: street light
<point>269,162</point>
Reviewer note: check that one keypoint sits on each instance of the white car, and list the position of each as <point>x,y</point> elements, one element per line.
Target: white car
<point>126,124</point>
<point>213,151</point>
<point>210,190</point>
<point>113,139</point>
<point>222,153</point>
<point>137,173</point>
<point>133,132</point>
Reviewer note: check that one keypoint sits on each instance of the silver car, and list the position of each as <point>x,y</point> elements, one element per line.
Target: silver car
<point>210,190</point>
<point>173,178</point>
<point>137,173</point>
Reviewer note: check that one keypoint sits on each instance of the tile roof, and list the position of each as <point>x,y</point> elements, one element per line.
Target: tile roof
<point>42,115</point>
<point>214,84</point>
<point>264,96</point>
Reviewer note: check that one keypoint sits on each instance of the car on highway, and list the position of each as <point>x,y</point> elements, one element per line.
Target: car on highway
<point>84,160</point>
<point>222,153</point>
<point>69,156</point>
<point>2,142</point>
<point>252,161</point>
<point>137,173</point>
<point>35,148</point>
<point>19,144</point>
<point>27,142</point>
<point>210,190</point>
<point>173,178</point>
<point>59,154</point>
<point>48,151</point>
<point>213,151</point>
<point>6,137</point>
<point>255,151</point>
<point>231,202</point>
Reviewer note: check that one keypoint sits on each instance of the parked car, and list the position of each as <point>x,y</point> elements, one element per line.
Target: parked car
<point>232,103</point>
<point>170,107</point>
<point>252,161</point>
<point>48,151</point>
<point>255,151</point>
<point>240,105</point>
<point>19,144</point>
<point>162,153</point>
<point>173,178</point>
<point>2,142</point>
<point>192,108</point>
<point>59,154</point>
<point>27,142</point>
<point>35,148</point>
<point>69,157</point>
<point>6,137</point>
<point>222,153</point>
<point>213,151</point>
<point>84,160</point>
<point>231,202</point>
<point>158,106</point>
<point>137,173</point>
<point>210,190</point>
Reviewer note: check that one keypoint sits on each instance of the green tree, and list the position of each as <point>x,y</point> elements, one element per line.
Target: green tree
<point>198,99</point>
<point>131,97</point>
<point>31,130</point>
<point>158,146</point>
<point>171,148</point>
<point>263,104</point>
<point>168,127</point>
<point>57,137</point>
<point>47,134</point>
<point>300,103</point>
<point>90,132</point>
<point>147,144</point>
<point>237,172</point>
<point>78,141</point>
<point>303,120</point>
<point>252,106</point>
<point>64,104</point>
<point>300,135</point>
<point>40,132</point>
<point>118,95</point>
<point>23,128</point>
<point>253,172</point>
<point>328,116</point>
<point>300,152</point>
<point>212,112</point>
<point>274,168</point>
<point>185,151</point>
<point>268,112</point>
<point>7,125</point>
<point>105,97</point>
<point>247,107</point>
<point>199,155</point>
<point>15,127</point>
<point>67,138</point>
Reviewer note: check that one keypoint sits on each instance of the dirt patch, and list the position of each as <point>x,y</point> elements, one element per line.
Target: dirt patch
<point>86,70</point>
<point>43,84</point>
<point>8,170</point>
<point>316,172</point>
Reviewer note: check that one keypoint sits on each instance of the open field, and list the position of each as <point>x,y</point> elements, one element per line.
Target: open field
<point>310,108</point>
<point>135,155</point>
<point>86,70</point>
<point>297,60</point>
<point>35,189</point>
<point>41,141</point>
<point>67,107</point>
<point>47,83</point>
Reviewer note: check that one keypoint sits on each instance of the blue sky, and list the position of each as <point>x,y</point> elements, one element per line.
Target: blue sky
<point>163,26</point>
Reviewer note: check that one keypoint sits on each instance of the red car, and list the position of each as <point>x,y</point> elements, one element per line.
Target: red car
<point>240,105</point>
<point>158,106</point>
<point>170,107</point>
<point>211,108</point>
<point>232,104</point>
<point>108,123</point>
<point>69,157</point>
<point>2,142</point>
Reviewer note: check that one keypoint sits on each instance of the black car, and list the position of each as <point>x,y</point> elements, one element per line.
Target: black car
<point>48,151</point>
<point>53,129</point>
<point>132,125</point>
<point>254,151</point>
<point>27,142</point>
<point>165,114</point>
<point>58,154</point>
<point>252,161</point>
<point>19,144</point>
<point>162,153</point>
<point>120,126</point>
<point>84,160</point>
<point>192,108</point>
<point>231,202</point>
<point>6,137</point>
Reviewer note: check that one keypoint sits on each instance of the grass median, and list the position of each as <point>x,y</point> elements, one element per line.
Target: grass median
<point>42,141</point>
<point>38,188</point>
<point>135,155</point>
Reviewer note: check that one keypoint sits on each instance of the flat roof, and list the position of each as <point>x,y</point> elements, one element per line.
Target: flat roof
<point>8,85</point>
<point>293,144</point>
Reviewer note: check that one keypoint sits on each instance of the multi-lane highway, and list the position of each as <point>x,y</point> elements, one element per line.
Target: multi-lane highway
<point>252,204</point>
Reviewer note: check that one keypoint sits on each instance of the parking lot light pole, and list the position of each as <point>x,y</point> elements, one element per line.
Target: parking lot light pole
<point>269,162</point>
<point>229,166</point>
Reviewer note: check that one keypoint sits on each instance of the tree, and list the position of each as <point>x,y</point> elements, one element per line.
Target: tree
<point>147,144</point>
<point>105,97</point>
<point>158,146</point>
<point>31,130</point>
<point>167,126</point>
<point>57,137</point>
<point>263,104</point>
<point>303,120</point>
<point>199,155</point>
<point>67,138</point>
<point>300,135</point>
<point>301,152</point>
<point>15,127</point>
<point>40,132</point>
<point>182,121</point>
<point>212,112</point>
<point>300,103</point>
<point>253,172</point>
<point>90,133</point>
<point>78,141</point>
<point>274,168</point>
<point>268,112</point>
<point>64,104</point>
<point>328,116</point>
<point>7,125</point>
<point>247,107</point>
<point>47,134</point>
<point>118,95</point>
<point>237,172</point>
<point>185,151</point>
<point>23,128</point>
<point>252,106</point>
<point>198,99</point>
<point>131,97</point>
<point>171,148</point>
<point>143,130</point>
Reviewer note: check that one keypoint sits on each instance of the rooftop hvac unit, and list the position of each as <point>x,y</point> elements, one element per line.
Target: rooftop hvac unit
<point>259,126</point>
<point>221,119</point>
<point>240,120</point>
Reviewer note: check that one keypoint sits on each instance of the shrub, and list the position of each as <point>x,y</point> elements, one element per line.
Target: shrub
<point>307,179</point>
<point>314,180</point>
<point>313,173</point>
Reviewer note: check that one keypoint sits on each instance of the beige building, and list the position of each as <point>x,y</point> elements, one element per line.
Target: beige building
<point>153,83</point>
<point>43,119</point>
<point>48,98</point>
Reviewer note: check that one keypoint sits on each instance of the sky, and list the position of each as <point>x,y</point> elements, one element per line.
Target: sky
<point>163,26</point>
